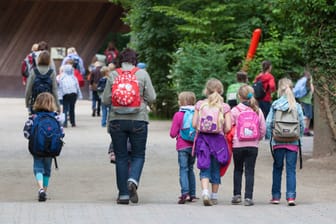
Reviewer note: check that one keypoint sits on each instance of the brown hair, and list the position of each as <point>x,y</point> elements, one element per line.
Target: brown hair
<point>128,55</point>
<point>43,46</point>
<point>242,76</point>
<point>265,66</point>
<point>45,102</point>
<point>186,98</point>
<point>44,58</point>
<point>246,94</point>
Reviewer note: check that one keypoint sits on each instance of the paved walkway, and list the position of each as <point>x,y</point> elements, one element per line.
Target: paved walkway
<point>83,190</point>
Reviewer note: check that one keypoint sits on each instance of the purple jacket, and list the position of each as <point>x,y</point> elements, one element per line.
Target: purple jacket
<point>175,131</point>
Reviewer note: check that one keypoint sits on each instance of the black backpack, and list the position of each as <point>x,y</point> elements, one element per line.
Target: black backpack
<point>42,83</point>
<point>259,91</point>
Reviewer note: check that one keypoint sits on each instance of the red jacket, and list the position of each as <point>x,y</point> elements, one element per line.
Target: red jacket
<point>268,82</point>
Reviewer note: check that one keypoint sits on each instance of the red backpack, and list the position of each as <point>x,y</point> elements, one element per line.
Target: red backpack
<point>27,64</point>
<point>126,92</point>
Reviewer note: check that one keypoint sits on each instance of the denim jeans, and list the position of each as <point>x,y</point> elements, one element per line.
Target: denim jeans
<point>265,107</point>
<point>105,111</point>
<point>69,101</point>
<point>96,101</point>
<point>213,172</point>
<point>244,159</point>
<point>42,165</point>
<point>187,176</point>
<point>136,132</point>
<point>291,158</point>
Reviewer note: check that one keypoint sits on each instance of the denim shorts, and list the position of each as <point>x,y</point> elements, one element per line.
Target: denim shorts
<point>307,110</point>
<point>42,165</point>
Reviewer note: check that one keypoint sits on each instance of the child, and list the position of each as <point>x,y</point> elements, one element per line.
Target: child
<point>245,148</point>
<point>232,91</point>
<point>284,150</point>
<point>45,103</point>
<point>186,160</point>
<point>212,142</point>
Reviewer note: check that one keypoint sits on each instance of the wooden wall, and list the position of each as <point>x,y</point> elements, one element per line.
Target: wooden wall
<point>82,24</point>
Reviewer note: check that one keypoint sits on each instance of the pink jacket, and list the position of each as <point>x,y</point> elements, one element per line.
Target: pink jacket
<point>175,131</point>
<point>234,115</point>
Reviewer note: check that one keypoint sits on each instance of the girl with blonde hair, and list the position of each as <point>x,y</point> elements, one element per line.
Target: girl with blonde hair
<point>284,150</point>
<point>210,166</point>
<point>249,119</point>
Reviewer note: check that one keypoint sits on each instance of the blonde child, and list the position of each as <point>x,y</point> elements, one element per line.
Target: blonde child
<point>284,150</point>
<point>44,103</point>
<point>211,142</point>
<point>186,160</point>
<point>250,129</point>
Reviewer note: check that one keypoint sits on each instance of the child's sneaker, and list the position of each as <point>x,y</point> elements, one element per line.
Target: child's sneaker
<point>275,201</point>
<point>214,201</point>
<point>183,199</point>
<point>206,200</point>
<point>132,188</point>
<point>42,196</point>
<point>193,198</point>
<point>248,202</point>
<point>236,199</point>
<point>291,202</point>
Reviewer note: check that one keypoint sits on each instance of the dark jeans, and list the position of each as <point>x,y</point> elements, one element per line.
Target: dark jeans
<point>244,158</point>
<point>96,101</point>
<point>136,132</point>
<point>69,101</point>
<point>265,107</point>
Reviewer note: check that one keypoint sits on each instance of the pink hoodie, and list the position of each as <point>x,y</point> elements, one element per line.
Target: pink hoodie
<point>234,115</point>
<point>175,131</point>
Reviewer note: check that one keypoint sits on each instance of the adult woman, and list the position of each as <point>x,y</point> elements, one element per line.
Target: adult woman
<point>132,126</point>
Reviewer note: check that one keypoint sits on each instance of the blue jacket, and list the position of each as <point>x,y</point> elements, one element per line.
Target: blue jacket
<point>282,104</point>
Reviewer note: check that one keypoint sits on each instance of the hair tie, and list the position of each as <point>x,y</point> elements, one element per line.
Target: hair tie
<point>249,95</point>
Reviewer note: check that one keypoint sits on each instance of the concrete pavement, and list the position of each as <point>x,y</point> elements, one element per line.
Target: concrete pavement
<point>83,189</point>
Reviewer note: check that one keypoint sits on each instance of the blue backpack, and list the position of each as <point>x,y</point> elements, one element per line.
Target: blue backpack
<point>42,83</point>
<point>187,131</point>
<point>101,84</point>
<point>45,136</point>
<point>300,88</point>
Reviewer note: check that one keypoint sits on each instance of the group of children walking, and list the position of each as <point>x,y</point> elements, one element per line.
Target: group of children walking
<point>222,132</point>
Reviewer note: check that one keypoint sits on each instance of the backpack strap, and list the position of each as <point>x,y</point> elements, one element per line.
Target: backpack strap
<point>133,71</point>
<point>37,72</point>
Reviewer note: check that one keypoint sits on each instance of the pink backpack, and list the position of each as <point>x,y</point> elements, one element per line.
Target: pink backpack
<point>211,119</point>
<point>247,127</point>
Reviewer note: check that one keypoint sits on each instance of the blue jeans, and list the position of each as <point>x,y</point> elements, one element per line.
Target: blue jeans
<point>244,157</point>
<point>96,101</point>
<point>105,111</point>
<point>42,165</point>
<point>291,158</point>
<point>136,132</point>
<point>187,176</point>
<point>69,102</point>
<point>213,172</point>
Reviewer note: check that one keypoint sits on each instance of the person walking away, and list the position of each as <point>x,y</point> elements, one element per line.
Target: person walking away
<point>129,120</point>
<point>105,71</point>
<point>111,53</point>
<point>232,91</point>
<point>41,79</point>
<point>44,106</point>
<point>307,102</point>
<point>284,149</point>
<point>250,128</point>
<point>78,63</point>
<point>186,160</point>
<point>70,92</point>
<point>28,63</point>
<point>212,119</point>
<point>94,79</point>
<point>268,85</point>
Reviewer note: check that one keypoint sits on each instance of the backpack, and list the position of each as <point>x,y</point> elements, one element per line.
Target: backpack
<point>79,77</point>
<point>101,84</point>
<point>247,128</point>
<point>27,64</point>
<point>75,64</point>
<point>110,57</point>
<point>42,83</point>
<point>187,132</point>
<point>286,126</point>
<point>259,91</point>
<point>300,88</point>
<point>126,92</point>
<point>46,136</point>
<point>210,119</point>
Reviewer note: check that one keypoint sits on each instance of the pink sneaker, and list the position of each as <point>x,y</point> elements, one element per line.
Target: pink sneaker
<point>275,201</point>
<point>291,201</point>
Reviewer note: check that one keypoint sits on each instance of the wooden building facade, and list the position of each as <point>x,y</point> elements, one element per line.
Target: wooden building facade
<point>83,24</point>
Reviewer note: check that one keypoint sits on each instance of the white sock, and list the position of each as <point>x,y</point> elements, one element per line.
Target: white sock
<point>214,195</point>
<point>205,192</point>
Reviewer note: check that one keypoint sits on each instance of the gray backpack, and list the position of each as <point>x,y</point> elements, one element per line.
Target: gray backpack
<point>286,126</point>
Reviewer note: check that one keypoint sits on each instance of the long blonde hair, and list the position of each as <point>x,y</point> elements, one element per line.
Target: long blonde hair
<point>246,94</point>
<point>285,88</point>
<point>214,90</point>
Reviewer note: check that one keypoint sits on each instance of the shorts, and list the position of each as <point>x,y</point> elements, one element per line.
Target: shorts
<point>307,110</point>
<point>42,165</point>
<point>212,173</point>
